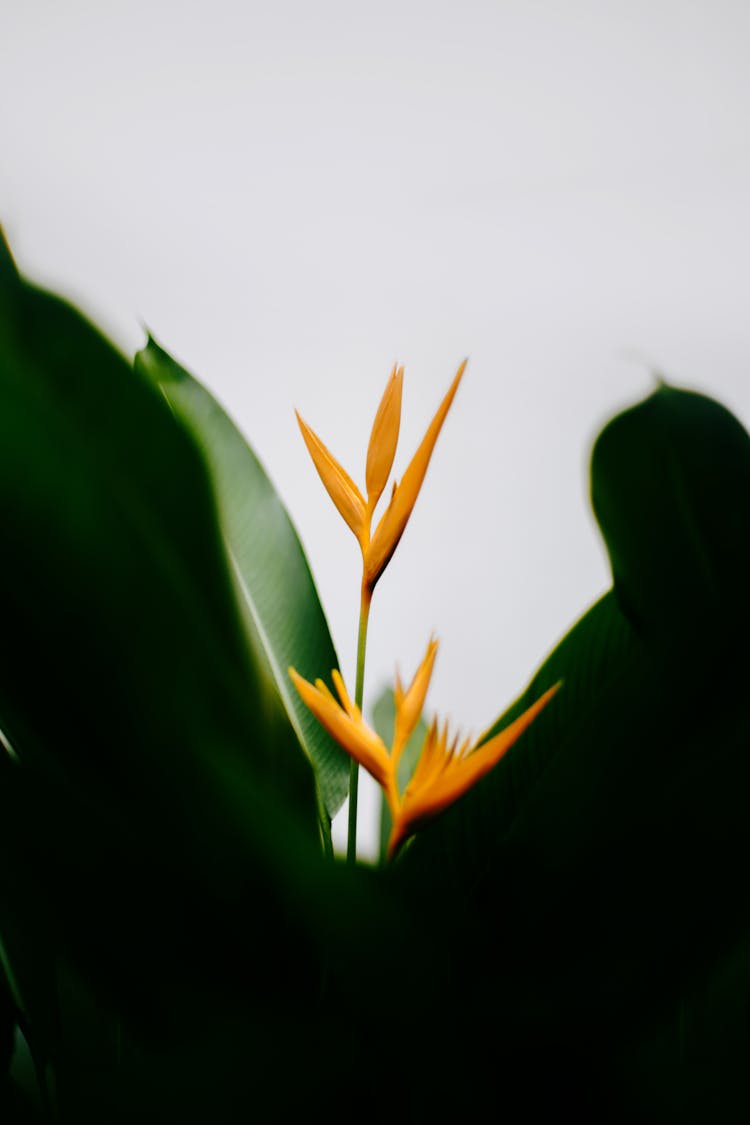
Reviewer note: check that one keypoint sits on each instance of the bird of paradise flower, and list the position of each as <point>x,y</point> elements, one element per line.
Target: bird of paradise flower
<point>447,766</point>
<point>377,546</point>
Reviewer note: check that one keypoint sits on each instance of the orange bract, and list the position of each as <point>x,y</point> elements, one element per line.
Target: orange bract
<point>446,767</point>
<point>378,547</point>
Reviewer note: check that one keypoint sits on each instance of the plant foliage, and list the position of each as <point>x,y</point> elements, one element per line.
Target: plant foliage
<point>177,942</point>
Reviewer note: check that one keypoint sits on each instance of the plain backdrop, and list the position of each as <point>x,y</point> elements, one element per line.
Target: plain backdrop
<point>292,196</point>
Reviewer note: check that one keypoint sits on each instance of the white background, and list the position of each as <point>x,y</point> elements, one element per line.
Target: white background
<point>293,195</point>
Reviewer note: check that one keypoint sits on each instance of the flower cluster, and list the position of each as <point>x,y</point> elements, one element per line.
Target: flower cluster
<point>447,766</point>
<point>378,546</point>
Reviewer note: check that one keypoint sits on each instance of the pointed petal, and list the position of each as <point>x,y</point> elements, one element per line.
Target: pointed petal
<point>339,485</point>
<point>409,703</point>
<point>398,690</point>
<point>435,790</point>
<point>351,709</point>
<point>384,438</point>
<point>496,746</point>
<point>394,519</point>
<point>429,759</point>
<point>323,687</point>
<point>355,737</point>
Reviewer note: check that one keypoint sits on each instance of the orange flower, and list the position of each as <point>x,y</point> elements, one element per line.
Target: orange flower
<point>377,547</point>
<point>447,767</point>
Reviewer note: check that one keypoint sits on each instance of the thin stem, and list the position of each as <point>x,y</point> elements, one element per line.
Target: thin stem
<point>364,613</point>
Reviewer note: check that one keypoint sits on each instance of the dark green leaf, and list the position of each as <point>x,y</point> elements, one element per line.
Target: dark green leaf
<point>596,872</point>
<point>670,480</point>
<point>156,808</point>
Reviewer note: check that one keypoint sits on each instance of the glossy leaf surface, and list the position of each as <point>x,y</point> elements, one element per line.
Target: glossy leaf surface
<point>285,620</point>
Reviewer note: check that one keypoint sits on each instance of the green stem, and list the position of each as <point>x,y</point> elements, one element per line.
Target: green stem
<point>364,613</point>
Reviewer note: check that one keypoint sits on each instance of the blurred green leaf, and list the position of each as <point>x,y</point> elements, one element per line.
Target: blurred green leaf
<point>177,943</point>
<point>118,602</point>
<point>597,868</point>
<point>8,1016</point>
<point>193,954</point>
<point>670,480</point>
<point>158,834</point>
<point>285,620</point>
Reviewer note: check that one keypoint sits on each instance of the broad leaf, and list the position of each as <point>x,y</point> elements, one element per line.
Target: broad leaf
<point>597,869</point>
<point>117,597</point>
<point>286,624</point>
<point>158,832</point>
<point>670,481</point>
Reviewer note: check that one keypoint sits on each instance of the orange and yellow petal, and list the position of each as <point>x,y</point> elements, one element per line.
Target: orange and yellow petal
<point>391,526</point>
<point>485,756</point>
<point>339,485</point>
<point>351,733</point>
<point>444,773</point>
<point>384,439</point>
<point>346,701</point>
<point>410,703</point>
